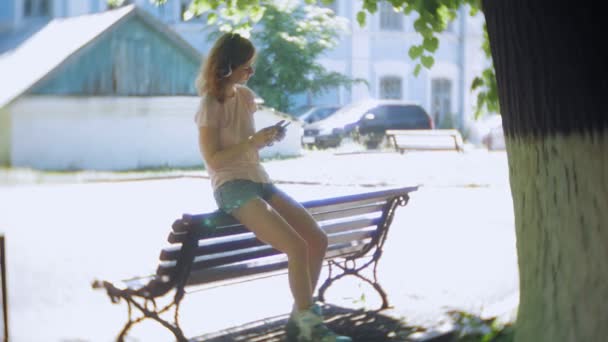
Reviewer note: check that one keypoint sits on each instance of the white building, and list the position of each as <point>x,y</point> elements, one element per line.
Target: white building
<point>377,52</point>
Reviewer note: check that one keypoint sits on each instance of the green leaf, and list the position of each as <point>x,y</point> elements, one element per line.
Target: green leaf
<point>417,69</point>
<point>256,14</point>
<point>481,100</point>
<point>415,51</point>
<point>370,5</point>
<point>199,7</point>
<point>419,25</point>
<point>361,18</point>
<point>427,61</point>
<point>211,18</point>
<point>115,3</point>
<point>431,44</point>
<point>242,4</point>
<point>477,82</point>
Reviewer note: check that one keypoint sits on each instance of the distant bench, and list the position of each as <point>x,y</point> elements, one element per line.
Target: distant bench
<point>425,139</point>
<point>213,248</point>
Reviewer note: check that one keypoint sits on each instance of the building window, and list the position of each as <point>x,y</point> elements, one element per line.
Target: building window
<point>390,88</point>
<point>27,8</point>
<point>44,8</point>
<point>441,102</point>
<point>389,19</point>
<point>37,8</point>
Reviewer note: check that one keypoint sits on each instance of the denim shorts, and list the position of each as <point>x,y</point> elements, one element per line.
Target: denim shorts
<point>235,193</point>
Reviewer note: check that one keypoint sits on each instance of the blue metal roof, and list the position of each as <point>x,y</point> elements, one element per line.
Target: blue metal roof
<point>28,61</point>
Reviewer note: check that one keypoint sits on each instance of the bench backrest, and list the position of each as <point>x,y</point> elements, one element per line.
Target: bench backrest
<point>214,247</point>
<point>437,139</point>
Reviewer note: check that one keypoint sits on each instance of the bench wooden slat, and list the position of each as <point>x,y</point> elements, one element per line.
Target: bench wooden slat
<point>358,235</point>
<point>423,132</point>
<point>330,215</point>
<point>214,219</point>
<point>337,207</point>
<point>219,259</point>
<point>260,266</point>
<point>241,241</point>
<point>204,232</point>
<point>338,227</point>
<point>248,240</point>
<point>355,200</point>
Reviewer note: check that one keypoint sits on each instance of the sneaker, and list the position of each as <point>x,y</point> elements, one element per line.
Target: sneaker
<point>308,326</point>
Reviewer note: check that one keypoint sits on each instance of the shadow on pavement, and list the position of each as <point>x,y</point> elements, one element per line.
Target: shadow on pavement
<point>361,325</point>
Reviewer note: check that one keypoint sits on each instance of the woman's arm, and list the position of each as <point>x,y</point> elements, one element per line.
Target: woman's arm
<point>208,141</point>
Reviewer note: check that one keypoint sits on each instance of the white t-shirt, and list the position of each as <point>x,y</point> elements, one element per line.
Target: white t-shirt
<point>234,122</point>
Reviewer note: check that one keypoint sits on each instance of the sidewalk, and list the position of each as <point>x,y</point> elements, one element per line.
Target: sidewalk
<point>453,246</point>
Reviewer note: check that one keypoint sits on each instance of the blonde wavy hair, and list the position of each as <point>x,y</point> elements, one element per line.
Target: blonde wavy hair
<point>230,51</point>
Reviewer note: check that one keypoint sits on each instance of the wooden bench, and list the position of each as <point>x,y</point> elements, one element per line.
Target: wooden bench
<point>215,249</point>
<point>426,139</point>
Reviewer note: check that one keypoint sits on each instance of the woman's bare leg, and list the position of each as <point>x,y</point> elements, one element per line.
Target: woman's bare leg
<point>305,225</point>
<point>269,227</point>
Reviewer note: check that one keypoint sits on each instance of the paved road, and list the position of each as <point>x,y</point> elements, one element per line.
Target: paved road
<point>453,246</point>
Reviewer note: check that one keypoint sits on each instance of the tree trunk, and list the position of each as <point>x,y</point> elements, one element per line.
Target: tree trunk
<point>551,67</point>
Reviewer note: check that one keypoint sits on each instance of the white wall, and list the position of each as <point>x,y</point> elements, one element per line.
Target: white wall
<point>5,137</point>
<point>66,133</point>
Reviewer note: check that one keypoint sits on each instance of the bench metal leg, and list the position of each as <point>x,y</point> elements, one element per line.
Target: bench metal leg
<point>155,315</point>
<point>142,304</point>
<point>353,272</point>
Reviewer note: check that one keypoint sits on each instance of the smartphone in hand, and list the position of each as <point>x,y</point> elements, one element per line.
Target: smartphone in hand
<point>282,124</point>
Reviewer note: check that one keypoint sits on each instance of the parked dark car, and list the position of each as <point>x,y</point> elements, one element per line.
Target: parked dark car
<point>366,121</point>
<point>371,128</point>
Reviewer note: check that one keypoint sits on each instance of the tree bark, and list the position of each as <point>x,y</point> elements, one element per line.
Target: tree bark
<point>551,66</point>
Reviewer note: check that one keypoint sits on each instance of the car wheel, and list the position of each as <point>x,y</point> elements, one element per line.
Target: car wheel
<point>372,145</point>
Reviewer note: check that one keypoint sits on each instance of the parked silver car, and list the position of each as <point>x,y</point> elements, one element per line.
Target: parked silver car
<point>317,113</point>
